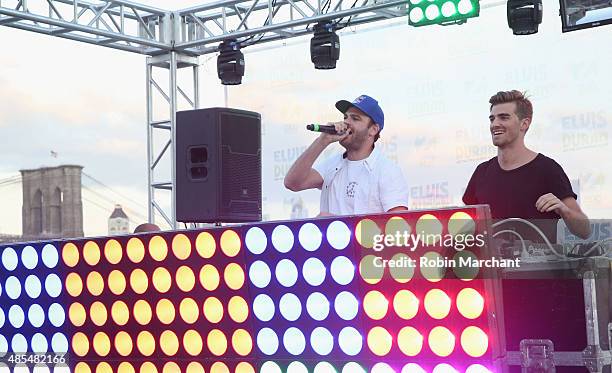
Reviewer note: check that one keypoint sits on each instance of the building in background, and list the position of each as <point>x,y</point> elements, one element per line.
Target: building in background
<point>52,203</point>
<point>118,222</point>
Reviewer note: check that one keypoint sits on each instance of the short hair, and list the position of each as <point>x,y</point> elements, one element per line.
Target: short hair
<point>146,227</point>
<point>377,136</point>
<point>524,108</point>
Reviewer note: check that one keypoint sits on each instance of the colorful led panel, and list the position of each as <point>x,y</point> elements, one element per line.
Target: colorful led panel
<point>321,295</point>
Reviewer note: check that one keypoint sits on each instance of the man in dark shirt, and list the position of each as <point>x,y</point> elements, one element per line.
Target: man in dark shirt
<point>520,182</point>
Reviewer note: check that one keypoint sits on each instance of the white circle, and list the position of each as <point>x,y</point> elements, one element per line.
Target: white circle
<point>29,257</point>
<point>256,240</point>
<point>3,346</point>
<point>317,306</point>
<point>416,15</point>
<point>412,368</point>
<point>350,341</point>
<point>297,367</point>
<point>448,9</point>
<point>259,274</point>
<point>12,287</point>
<point>16,316</point>
<point>313,271</point>
<point>477,368</point>
<point>270,367</point>
<point>39,343</point>
<point>53,285</point>
<point>59,343</point>
<point>346,305</point>
<point>9,259</point>
<point>286,273</point>
<point>36,315</point>
<point>382,368</point>
<point>263,307</point>
<point>432,12</point>
<point>267,341</point>
<point>310,237</point>
<point>338,235</point>
<point>21,368</point>
<point>19,344</point>
<point>324,367</point>
<point>465,6</point>
<point>294,341</point>
<point>33,286</point>
<point>342,270</point>
<point>41,368</point>
<point>282,238</point>
<point>353,367</point>
<point>321,341</point>
<point>290,307</point>
<point>62,368</point>
<point>0,288</point>
<point>444,368</point>
<point>50,256</point>
<point>2,318</point>
<point>56,315</point>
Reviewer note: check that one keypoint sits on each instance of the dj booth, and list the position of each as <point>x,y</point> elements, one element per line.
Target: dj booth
<point>420,291</point>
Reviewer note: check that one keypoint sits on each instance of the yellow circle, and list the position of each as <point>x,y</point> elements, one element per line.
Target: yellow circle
<point>430,229</point>
<point>169,343</point>
<point>379,341</point>
<point>464,271</point>
<point>80,344</point>
<point>123,343</point>
<point>206,245</point>
<point>116,282</point>
<point>91,253</point>
<point>125,367</point>
<point>189,311</point>
<point>470,303</point>
<point>98,313</point>
<point>181,246</point>
<point>95,283</point>
<point>441,341</point>
<point>192,342</point>
<point>230,243</point>
<point>375,305</point>
<point>104,368</point>
<point>70,254</point>
<point>77,314</point>
<point>139,281</point>
<point>209,277</point>
<point>82,368</point>
<point>161,279</point>
<point>410,341</point>
<point>216,342</point>
<point>474,341</point>
<point>148,367</point>
<point>158,248</point>
<point>135,250</point>
<point>145,343</point>
<point>461,223</point>
<point>213,310</point>
<point>242,342</point>
<point>219,367</point>
<point>365,233</point>
<point>142,312</point>
<point>101,344</point>
<point>397,225</point>
<point>185,279</point>
<point>437,304</point>
<point>195,367</point>
<point>406,304</point>
<point>165,311</point>
<point>171,367</point>
<point>234,276</point>
<point>120,313</point>
<point>238,309</point>
<point>433,267</point>
<point>74,284</point>
<point>403,268</point>
<point>244,367</point>
<point>370,272</point>
<point>113,251</point>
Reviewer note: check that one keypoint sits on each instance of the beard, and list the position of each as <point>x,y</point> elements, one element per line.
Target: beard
<point>355,140</point>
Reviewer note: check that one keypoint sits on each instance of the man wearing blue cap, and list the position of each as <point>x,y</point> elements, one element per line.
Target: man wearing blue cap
<point>359,181</point>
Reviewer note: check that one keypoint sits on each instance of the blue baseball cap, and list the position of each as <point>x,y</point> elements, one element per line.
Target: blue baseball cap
<point>366,104</point>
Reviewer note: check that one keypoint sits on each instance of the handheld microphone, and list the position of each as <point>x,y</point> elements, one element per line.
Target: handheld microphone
<point>322,128</point>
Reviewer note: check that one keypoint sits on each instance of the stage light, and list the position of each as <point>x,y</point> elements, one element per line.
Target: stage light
<point>379,341</point>
<point>29,258</point>
<point>346,305</point>
<point>123,343</point>
<point>474,341</point>
<point>465,273</point>
<point>142,312</point>
<point>441,341</point>
<point>263,307</point>
<point>50,256</point>
<point>477,368</point>
<point>267,341</point>
<point>437,304</point>
<point>286,273</point>
<point>192,342</point>
<point>375,305</point>
<point>19,343</point>
<point>209,277</point>
<point>324,46</point>
<point>290,307</point>
<point>234,276</point>
<point>350,341</point>
<point>430,228</point>
<point>116,282</point>
<point>216,342</point>
<point>77,314</point>
<point>181,246</point>
<point>70,255</point>
<point>59,343</point>
<point>401,273</point>
<point>97,313</point>
<point>95,283</point>
<point>113,251</point>
<point>294,341</point>
<point>433,273</point>
<point>282,239</point>
<point>365,231</point>
<point>370,273</point>
<point>158,248</point>
<point>39,343</point>
<point>313,271</point>
<point>242,343</point>
<point>101,344</point>
<point>165,311</point>
<point>444,368</point>
<point>461,223</point>
<point>410,341</point>
<point>321,341</point>
<point>80,344</point>
<point>205,245</point>
<point>230,63</point>
<point>12,287</point>
<point>230,243</point>
<point>36,315</point>
<point>259,274</point>
<point>147,367</point>
<point>324,367</point>
<point>56,315</point>
<point>342,270</point>
<point>353,367</point>
<point>296,367</point>
<point>135,250</point>
<point>145,343</point>
<point>91,253</point>
<point>213,310</point>
<point>442,12</point>
<point>9,259</point>
<point>119,313</point>
<point>524,16</point>
<point>189,310</point>
<point>238,309</point>
<point>125,367</point>
<point>317,306</point>
<point>338,235</point>
<point>470,303</point>
<point>270,367</point>
<point>256,240</point>
<point>310,237</point>
<point>382,368</point>
<point>195,367</point>
<point>412,368</point>
<point>161,279</point>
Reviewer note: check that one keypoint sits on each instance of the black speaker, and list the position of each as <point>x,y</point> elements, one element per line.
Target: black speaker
<point>218,165</point>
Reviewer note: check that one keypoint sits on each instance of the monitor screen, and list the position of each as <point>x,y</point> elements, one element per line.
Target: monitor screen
<point>581,14</point>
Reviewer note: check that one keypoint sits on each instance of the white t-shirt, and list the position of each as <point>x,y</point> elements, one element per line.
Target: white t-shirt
<point>371,185</point>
